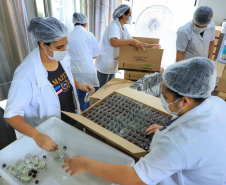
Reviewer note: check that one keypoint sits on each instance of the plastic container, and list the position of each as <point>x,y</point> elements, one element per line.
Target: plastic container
<point>77,142</point>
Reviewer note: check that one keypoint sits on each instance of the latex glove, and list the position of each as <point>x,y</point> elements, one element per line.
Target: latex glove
<point>45,142</point>
<point>153,128</point>
<point>75,165</point>
<point>87,88</point>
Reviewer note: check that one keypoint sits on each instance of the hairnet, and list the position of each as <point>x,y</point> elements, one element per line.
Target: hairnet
<point>47,29</point>
<point>194,77</point>
<point>79,18</point>
<point>203,15</point>
<point>120,11</point>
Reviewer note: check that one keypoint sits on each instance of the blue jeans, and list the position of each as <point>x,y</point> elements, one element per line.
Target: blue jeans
<point>81,95</point>
<point>104,78</point>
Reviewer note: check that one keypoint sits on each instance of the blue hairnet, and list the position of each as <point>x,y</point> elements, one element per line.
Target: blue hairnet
<point>79,18</point>
<point>47,29</point>
<point>120,11</point>
<point>203,15</point>
<point>194,77</point>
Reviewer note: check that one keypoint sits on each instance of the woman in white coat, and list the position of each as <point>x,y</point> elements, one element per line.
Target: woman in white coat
<point>190,150</point>
<point>83,48</point>
<point>43,84</point>
<point>115,36</point>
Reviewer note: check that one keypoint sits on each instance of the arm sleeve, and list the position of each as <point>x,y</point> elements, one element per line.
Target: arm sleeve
<point>182,41</point>
<point>95,47</point>
<point>213,33</point>
<point>20,95</point>
<point>165,159</point>
<point>114,31</point>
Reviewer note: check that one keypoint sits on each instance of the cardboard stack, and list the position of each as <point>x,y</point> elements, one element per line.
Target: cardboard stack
<point>137,63</point>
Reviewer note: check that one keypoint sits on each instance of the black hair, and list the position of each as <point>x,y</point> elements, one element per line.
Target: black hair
<point>177,96</point>
<point>79,24</point>
<point>48,43</point>
<point>126,13</point>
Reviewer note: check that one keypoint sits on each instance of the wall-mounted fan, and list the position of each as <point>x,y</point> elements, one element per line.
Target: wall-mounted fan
<point>154,21</point>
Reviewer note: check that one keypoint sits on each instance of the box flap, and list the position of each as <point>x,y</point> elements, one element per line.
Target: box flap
<point>222,95</point>
<point>111,86</point>
<point>220,68</point>
<point>147,40</point>
<point>104,133</point>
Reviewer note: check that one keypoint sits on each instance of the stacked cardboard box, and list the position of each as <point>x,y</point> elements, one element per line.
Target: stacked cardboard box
<point>137,63</point>
<point>222,83</point>
<point>91,119</point>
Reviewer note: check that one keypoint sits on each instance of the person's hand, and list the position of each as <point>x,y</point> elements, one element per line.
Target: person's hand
<point>45,142</point>
<point>87,88</point>
<point>138,45</point>
<point>75,165</point>
<point>153,128</point>
<point>154,46</point>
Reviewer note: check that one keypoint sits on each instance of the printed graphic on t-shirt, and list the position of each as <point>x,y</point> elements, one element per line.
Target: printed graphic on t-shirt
<point>61,84</point>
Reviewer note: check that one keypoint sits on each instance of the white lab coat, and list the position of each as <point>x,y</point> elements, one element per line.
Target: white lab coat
<point>192,43</point>
<point>31,95</point>
<point>191,151</point>
<point>107,61</point>
<point>82,47</point>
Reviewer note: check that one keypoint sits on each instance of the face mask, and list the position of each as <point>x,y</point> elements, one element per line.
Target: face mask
<point>57,55</point>
<point>198,30</point>
<point>129,21</point>
<point>166,105</point>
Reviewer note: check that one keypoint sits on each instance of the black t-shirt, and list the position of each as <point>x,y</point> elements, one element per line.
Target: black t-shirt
<point>63,88</point>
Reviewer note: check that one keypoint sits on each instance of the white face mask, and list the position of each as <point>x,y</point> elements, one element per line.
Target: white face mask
<point>129,21</point>
<point>166,105</point>
<point>57,55</point>
<point>198,30</point>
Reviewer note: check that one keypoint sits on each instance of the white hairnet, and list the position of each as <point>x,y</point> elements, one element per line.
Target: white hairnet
<point>194,77</point>
<point>203,15</point>
<point>47,29</point>
<point>79,18</point>
<point>120,11</point>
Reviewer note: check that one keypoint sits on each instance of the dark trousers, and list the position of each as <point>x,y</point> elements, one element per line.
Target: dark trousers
<point>81,96</point>
<point>104,78</point>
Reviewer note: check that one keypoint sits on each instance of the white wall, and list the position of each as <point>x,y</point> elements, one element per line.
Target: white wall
<point>182,11</point>
<point>219,9</point>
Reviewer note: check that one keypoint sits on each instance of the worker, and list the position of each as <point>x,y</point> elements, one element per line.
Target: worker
<point>43,85</point>
<point>189,150</point>
<point>196,38</point>
<point>83,48</point>
<point>116,35</point>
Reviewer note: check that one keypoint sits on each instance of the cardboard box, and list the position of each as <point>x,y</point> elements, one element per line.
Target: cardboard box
<point>222,95</point>
<point>222,83</point>
<point>147,101</point>
<point>134,75</point>
<point>113,85</point>
<point>145,60</point>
